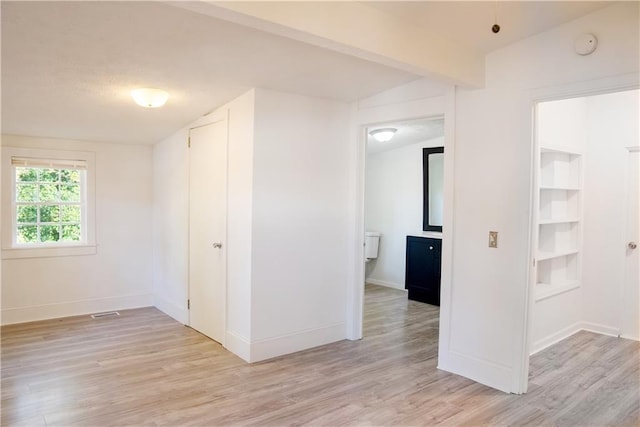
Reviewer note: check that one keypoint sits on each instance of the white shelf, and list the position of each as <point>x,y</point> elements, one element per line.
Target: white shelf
<point>544,255</point>
<point>548,221</point>
<point>559,188</point>
<point>547,290</point>
<point>548,149</point>
<point>558,255</point>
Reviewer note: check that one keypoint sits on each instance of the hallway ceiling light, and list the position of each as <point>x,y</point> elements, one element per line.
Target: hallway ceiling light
<point>149,97</point>
<point>384,134</point>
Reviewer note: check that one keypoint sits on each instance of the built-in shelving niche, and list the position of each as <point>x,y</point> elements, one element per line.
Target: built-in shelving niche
<point>559,222</point>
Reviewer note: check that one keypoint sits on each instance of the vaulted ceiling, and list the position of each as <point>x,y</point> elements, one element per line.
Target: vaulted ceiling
<point>68,67</point>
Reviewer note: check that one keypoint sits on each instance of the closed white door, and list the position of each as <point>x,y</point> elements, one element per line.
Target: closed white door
<point>208,228</point>
<point>630,327</point>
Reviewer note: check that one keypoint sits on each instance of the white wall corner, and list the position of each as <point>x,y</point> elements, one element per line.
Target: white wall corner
<point>554,338</point>
<point>171,309</point>
<point>600,329</point>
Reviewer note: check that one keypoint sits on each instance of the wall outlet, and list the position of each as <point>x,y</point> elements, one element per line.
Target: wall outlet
<point>493,239</point>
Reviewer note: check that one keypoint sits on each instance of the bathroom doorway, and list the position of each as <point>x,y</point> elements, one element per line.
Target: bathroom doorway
<point>394,211</point>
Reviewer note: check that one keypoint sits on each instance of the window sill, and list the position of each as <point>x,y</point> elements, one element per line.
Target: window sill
<point>48,252</point>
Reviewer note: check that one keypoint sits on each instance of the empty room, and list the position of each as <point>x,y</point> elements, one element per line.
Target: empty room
<point>320,213</point>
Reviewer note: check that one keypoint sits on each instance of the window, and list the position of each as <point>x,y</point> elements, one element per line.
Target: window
<point>48,203</point>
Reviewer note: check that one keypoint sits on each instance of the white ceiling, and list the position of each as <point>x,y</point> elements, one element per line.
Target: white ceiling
<point>68,67</point>
<point>470,22</point>
<point>408,132</point>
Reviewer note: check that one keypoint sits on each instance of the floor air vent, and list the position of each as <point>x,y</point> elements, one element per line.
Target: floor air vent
<point>105,314</point>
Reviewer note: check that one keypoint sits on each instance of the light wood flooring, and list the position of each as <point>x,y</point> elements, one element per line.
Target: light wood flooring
<point>144,368</point>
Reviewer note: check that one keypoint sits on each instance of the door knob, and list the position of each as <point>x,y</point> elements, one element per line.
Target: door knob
<point>632,245</point>
<point>217,245</point>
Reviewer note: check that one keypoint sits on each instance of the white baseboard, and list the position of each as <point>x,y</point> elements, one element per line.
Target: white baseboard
<point>570,330</point>
<point>238,345</point>
<point>600,329</point>
<point>171,309</point>
<point>554,338</point>
<point>387,284</point>
<point>74,308</point>
<point>479,370</point>
<point>290,343</point>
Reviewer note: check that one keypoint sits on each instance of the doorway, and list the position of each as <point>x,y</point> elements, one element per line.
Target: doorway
<point>393,210</point>
<point>208,228</point>
<point>584,277</point>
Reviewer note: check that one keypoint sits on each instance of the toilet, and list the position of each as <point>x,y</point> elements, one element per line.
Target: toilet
<point>371,240</point>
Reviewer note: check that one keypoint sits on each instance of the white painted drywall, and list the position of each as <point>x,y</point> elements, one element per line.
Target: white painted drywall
<point>393,206</point>
<point>287,236</point>
<point>492,187</point>
<point>613,125</point>
<point>170,222</point>
<point>300,224</point>
<point>119,275</point>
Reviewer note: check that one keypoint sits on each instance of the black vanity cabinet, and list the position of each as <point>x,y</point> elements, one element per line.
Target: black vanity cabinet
<point>422,278</point>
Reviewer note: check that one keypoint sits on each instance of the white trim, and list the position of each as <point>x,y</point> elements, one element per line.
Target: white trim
<point>565,333</point>
<point>238,345</point>
<point>482,371</point>
<point>386,284</point>
<point>600,329</point>
<point>48,252</point>
<point>554,338</point>
<point>297,341</point>
<point>10,250</point>
<point>74,308</point>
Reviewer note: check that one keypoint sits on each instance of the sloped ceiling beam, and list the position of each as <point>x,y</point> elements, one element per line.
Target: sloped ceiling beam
<point>358,30</point>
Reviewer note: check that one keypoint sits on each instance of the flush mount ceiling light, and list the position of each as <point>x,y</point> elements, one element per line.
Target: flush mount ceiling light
<point>149,97</point>
<point>384,134</point>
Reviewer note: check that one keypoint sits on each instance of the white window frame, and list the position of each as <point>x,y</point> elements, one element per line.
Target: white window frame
<point>11,249</point>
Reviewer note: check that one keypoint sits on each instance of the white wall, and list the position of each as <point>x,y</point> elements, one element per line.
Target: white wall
<point>492,180</point>
<point>393,206</point>
<point>287,250</point>
<point>613,126</point>
<point>118,276</point>
<point>300,249</point>
<point>171,221</point>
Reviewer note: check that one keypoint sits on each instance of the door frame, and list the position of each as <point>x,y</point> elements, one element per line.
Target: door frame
<point>438,106</point>
<point>210,119</point>
<point>600,86</point>
<point>624,238</point>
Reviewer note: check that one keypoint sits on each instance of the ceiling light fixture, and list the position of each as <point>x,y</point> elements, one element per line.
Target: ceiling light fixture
<point>384,134</point>
<point>149,97</point>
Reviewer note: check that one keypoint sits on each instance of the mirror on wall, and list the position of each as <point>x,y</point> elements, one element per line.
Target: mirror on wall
<point>433,188</point>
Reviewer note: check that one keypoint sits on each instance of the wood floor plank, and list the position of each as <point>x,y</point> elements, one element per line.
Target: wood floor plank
<point>143,368</point>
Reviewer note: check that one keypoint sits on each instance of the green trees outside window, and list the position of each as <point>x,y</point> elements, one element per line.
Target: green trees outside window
<point>48,205</point>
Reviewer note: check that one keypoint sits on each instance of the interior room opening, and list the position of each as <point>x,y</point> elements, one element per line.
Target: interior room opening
<point>404,174</point>
<point>585,218</point>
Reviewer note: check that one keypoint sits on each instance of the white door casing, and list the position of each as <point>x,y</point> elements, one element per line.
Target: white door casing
<point>630,312</point>
<point>208,228</point>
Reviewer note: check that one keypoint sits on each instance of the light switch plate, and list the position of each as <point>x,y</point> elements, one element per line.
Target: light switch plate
<point>493,239</point>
